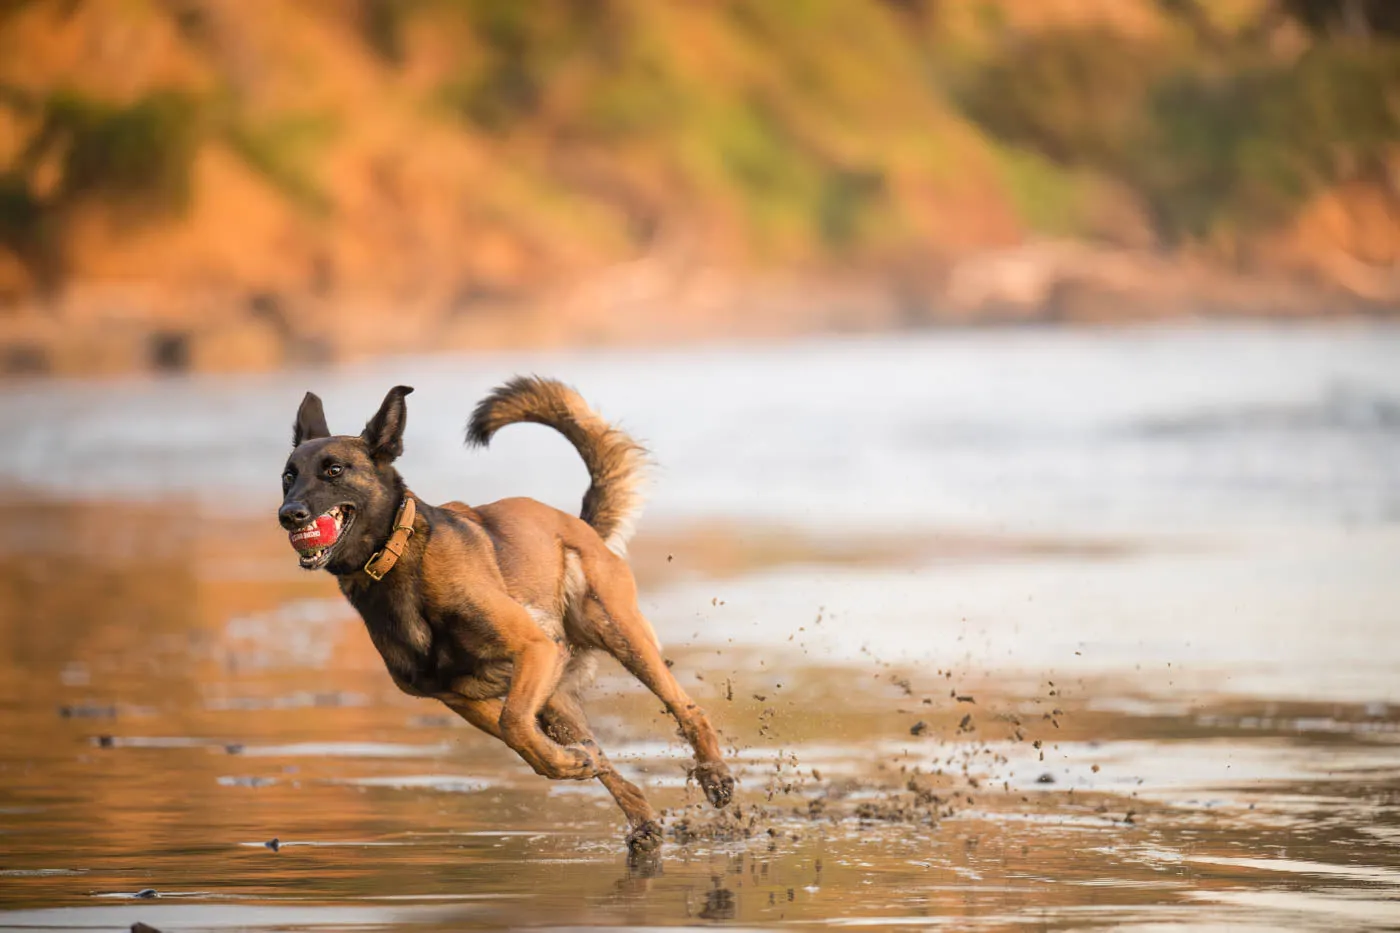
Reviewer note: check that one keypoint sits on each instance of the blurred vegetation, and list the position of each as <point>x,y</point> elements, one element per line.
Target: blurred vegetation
<point>1344,17</point>
<point>1074,96</point>
<point>283,151</point>
<point>752,135</point>
<point>138,154</point>
<point>1216,142</point>
<point>1237,153</point>
<point>813,129</point>
<point>135,158</point>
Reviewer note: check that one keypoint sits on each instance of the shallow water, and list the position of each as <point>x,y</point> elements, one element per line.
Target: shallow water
<point>1150,633</point>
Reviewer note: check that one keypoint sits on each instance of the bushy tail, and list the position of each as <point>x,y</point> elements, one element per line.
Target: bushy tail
<point>615,462</point>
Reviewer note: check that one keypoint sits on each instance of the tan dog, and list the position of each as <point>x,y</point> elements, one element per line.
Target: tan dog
<point>495,610</point>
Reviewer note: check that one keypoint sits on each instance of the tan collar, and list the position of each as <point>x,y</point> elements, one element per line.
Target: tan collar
<point>383,561</point>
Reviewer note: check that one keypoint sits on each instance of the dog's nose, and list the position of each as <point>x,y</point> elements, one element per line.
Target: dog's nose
<point>293,515</point>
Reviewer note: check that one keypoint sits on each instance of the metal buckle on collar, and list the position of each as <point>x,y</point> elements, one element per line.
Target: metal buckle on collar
<point>389,546</point>
<point>376,577</point>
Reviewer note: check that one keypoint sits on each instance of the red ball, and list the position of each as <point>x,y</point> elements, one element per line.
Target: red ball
<point>319,534</point>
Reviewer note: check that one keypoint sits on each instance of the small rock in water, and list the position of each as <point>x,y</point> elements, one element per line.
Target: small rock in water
<point>918,728</point>
<point>146,892</point>
<point>106,741</point>
<point>139,927</point>
<point>273,844</point>
<point>1046,778</point>
<point>235,749</point>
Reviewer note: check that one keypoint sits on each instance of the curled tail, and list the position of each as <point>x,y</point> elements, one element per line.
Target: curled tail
<point>614,460</point>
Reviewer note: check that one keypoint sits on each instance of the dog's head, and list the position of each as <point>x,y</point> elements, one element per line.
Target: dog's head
<point>340,492</point>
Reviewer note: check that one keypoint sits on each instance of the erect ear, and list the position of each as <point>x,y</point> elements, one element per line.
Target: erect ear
<point>311,421</point>
<point>384,433</point>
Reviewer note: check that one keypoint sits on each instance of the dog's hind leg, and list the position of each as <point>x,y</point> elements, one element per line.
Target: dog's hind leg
<point>564,721</point>
<point>617,623</point>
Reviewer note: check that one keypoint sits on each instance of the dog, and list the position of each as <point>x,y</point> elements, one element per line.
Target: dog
<point>496,610</point>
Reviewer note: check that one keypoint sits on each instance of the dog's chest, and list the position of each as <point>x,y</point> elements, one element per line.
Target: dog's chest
<point>400,634</point>
<point>420,653</point>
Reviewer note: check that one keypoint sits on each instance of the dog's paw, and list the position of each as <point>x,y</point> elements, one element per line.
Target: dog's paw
<point>644,839</point>
<point>715,780</point>
<point>580,765</point>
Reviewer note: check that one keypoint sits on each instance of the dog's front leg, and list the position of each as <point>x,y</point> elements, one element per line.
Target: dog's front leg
<point>484,714</point>
<point>487,716</point>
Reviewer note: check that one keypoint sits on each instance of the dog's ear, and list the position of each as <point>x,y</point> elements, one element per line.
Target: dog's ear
<point>384,433</point>
<point>311,421</point>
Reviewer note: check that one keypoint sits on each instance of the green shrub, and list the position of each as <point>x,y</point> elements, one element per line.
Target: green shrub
<point>27,228</point>
<point>20,210</point>
<point>845,207</point>
<point>1334,17</point>
<point>1240,151</point>
<point>525,44</point>
<point>1219,145</point>
<point>382,24</point>
<point>139,155</point>
<point>1048,197</point>
<point>280,150</point>
<point>1074,96</point>
<point>497,98</point>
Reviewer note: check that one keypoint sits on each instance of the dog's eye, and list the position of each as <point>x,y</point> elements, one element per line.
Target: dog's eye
<point>334,470</point>
<point>288,477</point>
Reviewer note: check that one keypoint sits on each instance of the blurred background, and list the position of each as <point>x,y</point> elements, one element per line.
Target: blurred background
<point>214,185</point>
<point>1023,384</point>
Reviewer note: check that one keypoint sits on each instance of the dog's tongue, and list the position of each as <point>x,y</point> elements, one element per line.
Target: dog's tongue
<point>319,534</point>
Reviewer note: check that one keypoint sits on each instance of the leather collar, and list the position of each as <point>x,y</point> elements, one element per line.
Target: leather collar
<point>384,560</point>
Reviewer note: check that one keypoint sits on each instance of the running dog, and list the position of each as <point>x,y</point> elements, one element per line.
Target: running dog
<point>496,610</point>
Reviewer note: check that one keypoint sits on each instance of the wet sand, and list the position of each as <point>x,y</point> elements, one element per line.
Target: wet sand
<point>173,704</point>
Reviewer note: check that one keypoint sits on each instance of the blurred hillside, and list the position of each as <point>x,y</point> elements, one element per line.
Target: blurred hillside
<point>221,184</point>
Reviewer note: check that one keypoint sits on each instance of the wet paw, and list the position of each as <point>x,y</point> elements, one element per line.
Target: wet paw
<point>573,763</point>
<point>715,780</point>
<point>581,766</point>
<point>645,838</point>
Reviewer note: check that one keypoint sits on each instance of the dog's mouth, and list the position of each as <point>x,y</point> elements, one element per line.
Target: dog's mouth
<point>316,541</point>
